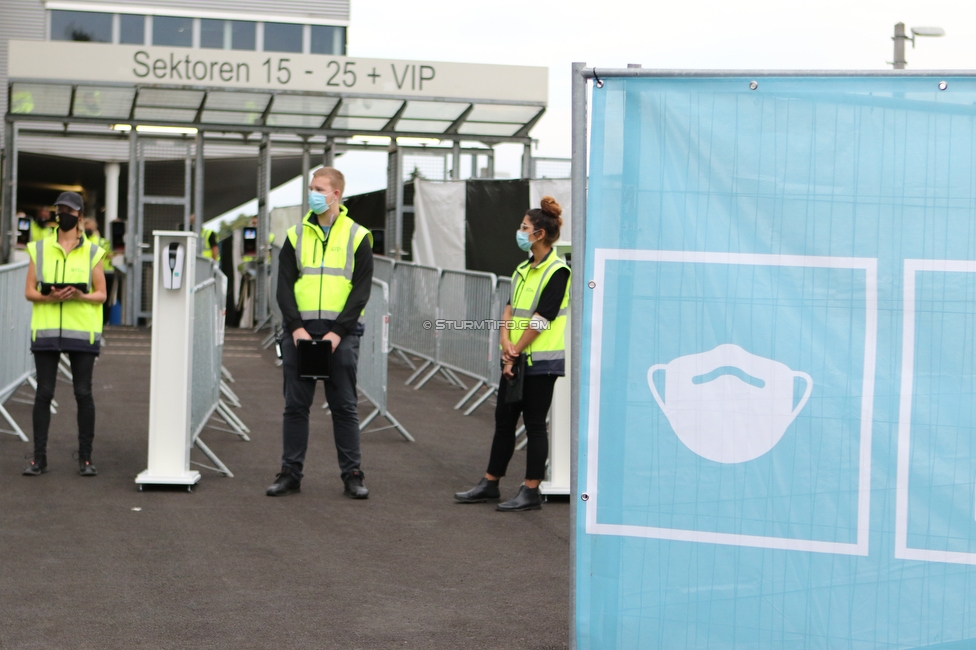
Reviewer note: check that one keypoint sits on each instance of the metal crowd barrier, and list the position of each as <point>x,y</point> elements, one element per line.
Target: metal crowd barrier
<point>209,299</point>
<point>383,271</point>
<point>465,302</point>
<point>501,296</point>
<point>16,364</point>
<point>374,350</point>
<point>414,295</point>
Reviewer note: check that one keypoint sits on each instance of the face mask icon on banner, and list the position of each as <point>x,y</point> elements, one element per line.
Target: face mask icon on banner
<point>728,405</point>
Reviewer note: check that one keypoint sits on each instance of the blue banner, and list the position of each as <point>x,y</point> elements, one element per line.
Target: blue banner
<point>777,443</point>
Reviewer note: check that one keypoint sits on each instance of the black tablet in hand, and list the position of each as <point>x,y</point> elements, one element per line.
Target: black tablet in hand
<point>314,359</point>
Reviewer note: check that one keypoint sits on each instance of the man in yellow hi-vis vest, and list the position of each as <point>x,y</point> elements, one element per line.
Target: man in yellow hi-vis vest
<point>325,274</point>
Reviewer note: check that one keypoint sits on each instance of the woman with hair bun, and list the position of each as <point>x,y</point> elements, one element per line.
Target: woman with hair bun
<point>534,324</point>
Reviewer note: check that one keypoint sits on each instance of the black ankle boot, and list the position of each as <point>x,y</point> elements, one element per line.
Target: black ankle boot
<point>38,466</point>
<point>480,493</point>
<point>526,499</point>
<point>285,483</point>
<point>85,467</point>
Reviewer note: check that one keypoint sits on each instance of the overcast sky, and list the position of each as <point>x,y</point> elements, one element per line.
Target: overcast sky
<point>726,34</point>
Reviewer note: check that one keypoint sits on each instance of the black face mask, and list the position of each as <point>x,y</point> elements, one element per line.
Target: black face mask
<point>67,221</point>
<point>89,232</point>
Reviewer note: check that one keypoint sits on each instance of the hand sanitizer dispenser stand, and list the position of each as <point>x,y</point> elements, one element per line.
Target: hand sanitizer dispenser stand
<point>170,437</point>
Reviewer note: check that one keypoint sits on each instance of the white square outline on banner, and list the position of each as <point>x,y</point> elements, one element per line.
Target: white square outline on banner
<point>870,268</point>
<point>902,552</point>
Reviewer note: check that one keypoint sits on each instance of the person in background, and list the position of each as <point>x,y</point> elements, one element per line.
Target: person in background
<point>94,236</point>
<point>44,225</point>
<point>534,325</point>
<point>322,294</point>
<point>65,320</point>
<point>208,241</point>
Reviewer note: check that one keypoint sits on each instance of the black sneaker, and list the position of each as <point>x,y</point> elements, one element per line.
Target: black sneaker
<point>85,467</point>
<point>37,467</point>
<point>354,485</point>
<point>285,483</point>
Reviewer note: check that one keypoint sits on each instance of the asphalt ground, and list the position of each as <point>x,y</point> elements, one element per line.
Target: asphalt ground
<point>94,563</point>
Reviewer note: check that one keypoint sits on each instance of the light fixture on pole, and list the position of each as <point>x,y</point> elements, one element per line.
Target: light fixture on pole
<point>900,37</point>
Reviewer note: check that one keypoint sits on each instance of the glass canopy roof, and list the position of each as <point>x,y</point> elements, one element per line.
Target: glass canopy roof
<point>269,111</point>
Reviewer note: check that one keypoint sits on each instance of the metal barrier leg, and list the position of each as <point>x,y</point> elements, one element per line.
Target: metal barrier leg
<point>405,358</point>
<point>427,378</point>
<point>418,371</point>
<point>394,424</point>
<point>220,467</point>
<point>453,378</point>
<point>17,431</point>
<point>232,420</point>
<point>226,374</point>
<point>481,400</point>
<point>369,418</point>
<point>229,394</point>
<point>469,394</point>
<point>264,323</point>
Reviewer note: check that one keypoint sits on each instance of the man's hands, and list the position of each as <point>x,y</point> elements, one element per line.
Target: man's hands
<point>301,333</point>
<point>507,371</point>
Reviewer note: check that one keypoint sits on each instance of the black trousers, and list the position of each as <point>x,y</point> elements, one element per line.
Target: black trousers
<point>534,407</point>
<point>106,310</point>
<point>82,365</point>
<point>340,391</point>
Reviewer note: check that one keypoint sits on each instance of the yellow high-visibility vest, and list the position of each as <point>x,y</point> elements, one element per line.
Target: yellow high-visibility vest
<point>39,232</point>
<point>206,251</point>
<point>547,353</point>
<point>66,326</point>
<point>325,265</point>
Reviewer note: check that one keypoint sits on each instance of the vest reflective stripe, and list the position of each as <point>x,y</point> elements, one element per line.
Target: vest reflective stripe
<point>325,265</point>
<point>315,314</point>
<point>547,353</point>
<point>73,320</point>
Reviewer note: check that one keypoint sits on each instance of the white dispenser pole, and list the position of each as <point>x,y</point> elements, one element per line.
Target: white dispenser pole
<point>170,437</point>
<point>560,436</point>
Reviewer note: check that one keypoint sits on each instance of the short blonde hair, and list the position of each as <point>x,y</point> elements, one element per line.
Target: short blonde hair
<point>335,177</point>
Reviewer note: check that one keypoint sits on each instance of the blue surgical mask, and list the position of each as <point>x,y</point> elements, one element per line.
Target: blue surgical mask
<point>522,238</point>
<point>317,202</point>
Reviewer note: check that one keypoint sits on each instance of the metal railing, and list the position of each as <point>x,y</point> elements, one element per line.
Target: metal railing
<point>439,316</point>
<point>16,364</point>
<point>414,294</point>
<point>374,350</point>
<point>465,302</point>
<point>209,299</point>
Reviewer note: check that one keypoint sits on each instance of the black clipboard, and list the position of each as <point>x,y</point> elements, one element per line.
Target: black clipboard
<point>314,359</point>
<point>513,390</point>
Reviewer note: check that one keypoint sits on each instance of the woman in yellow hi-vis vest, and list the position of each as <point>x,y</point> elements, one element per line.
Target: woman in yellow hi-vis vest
<point>534,325</point>
<point>66,283</point>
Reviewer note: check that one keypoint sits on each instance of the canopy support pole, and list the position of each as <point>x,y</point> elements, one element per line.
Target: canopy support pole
<point>9,210</point>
